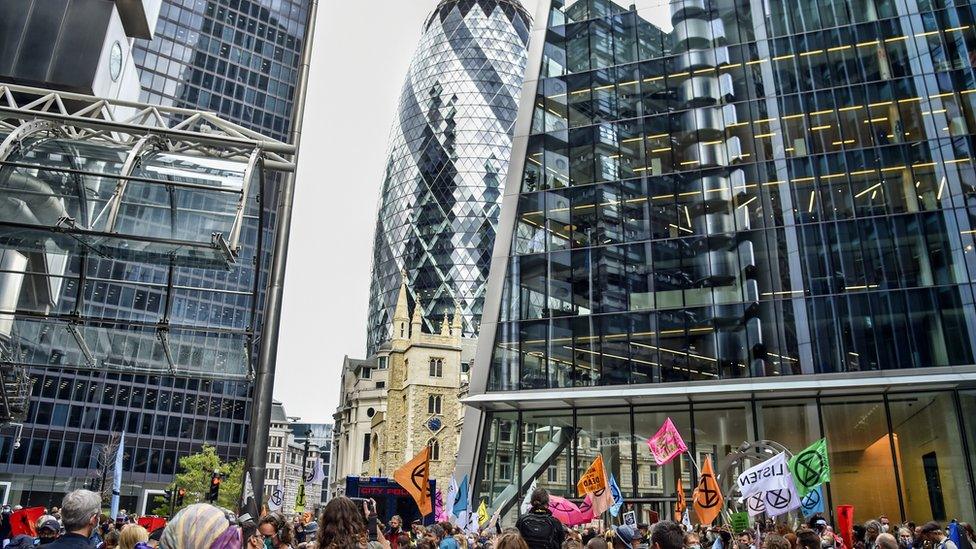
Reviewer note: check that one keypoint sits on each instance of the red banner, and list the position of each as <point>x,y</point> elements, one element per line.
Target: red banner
<point>845,524</point>
<point>25,521</point>
<point>151,524</point>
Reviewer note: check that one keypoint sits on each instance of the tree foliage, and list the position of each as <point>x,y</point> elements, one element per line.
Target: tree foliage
<point>194,476</point>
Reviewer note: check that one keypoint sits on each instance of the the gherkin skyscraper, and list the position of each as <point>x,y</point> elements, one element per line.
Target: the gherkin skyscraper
<point>449,154</point>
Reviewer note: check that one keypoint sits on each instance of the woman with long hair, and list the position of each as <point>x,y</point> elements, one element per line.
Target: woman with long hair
<point>341,525</point>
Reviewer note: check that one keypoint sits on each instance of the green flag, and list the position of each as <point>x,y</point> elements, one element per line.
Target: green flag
<point>811,467</point>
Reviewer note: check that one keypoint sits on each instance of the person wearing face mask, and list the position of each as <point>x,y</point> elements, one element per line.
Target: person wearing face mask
<point>48,530</point>
<point>692,541</point>
<point>80,513</point>
<point>885,524</point>
<point>906,540</point>
<point>275,531</point>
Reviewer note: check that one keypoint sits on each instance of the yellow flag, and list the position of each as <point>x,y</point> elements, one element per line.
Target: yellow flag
<point>679,508</point>
<point>594,479</point>
<point>300,499</point>
<point>707,499</point>
<point>482,514</point>
<point>414,478</point>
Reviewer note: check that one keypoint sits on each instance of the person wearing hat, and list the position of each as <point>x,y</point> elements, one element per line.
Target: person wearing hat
<point>48,530</point>
<point>932,532</point>
<point>625,537</point>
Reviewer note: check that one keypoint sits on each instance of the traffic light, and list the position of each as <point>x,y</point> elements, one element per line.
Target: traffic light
<point>168,494</point>
<point>214,486</point>
<point>180,494</point>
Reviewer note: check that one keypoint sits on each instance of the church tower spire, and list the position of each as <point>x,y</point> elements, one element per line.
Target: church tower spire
<point>400,316</point>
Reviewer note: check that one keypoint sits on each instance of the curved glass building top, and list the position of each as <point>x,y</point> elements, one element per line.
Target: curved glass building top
<point>717,189</point>
<point>449,155</point>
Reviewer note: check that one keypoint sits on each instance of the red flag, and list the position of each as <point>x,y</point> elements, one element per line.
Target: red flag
<point>152,523</point>
<point>25,521</point>
<point>845,523</point>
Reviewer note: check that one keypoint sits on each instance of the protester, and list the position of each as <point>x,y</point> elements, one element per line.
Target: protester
<point>597,543</point>
<point>110,540</point>
<point>201,526</point>
<point>872,529</point>
<point>21,541</point>
<point>886,541</point>
<point>132,535</point>
<point>692,541</point>
<point>48,530</point>
<point>807,539</point>
<point>932,532</point>
<point>276,529</point>
<point>906,539</point>
<point>667,535</point>
<point>341,525</point>
<point>776,541</point>
<point>538,528</point>
<point>625,537</point>
<point>394,531</point>
<point>512,541</point>
<point>746,540</point>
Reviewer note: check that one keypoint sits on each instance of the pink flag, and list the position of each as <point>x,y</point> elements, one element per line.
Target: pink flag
<point>439,512</point>
<point>568,513</point>
<point>600,501</point>
<point>667,443</point>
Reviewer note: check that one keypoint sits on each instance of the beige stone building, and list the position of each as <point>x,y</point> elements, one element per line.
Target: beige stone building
<point>425,373</point>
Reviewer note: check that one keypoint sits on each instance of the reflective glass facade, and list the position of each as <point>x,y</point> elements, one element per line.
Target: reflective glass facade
<point>449,154</point>
<point>239,59</point>
<point>733,192</point>
<point>902,454</point>
<point>752,218</point>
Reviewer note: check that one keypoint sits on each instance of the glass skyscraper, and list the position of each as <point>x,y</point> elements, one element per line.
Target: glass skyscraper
<point>449,153</point>
<point>755,218</point>
<point>239,59</point>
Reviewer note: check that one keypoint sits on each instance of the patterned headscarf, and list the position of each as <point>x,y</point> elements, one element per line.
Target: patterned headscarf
<point>200,526</point>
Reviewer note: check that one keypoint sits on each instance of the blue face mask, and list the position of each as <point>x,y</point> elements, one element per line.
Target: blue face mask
<point>268,544</point>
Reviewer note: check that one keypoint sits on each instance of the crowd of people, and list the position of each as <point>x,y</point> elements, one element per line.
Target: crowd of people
<point>344,524</point>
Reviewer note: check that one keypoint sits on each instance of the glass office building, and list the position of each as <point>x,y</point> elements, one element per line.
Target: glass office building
<point>449,153</point>
<point>755,218</point>
<point>239,59</point>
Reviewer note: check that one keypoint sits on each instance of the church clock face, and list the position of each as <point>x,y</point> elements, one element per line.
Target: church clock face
<point>434,424</point>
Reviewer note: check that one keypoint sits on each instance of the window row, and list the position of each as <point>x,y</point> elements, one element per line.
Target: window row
<point>847,333</point>
<point>141,398</point>
<point>630,36</point>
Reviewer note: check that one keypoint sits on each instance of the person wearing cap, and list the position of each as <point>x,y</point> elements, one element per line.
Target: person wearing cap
<point>625,537</point>
<point>48,530</point>
<point>932,532</point>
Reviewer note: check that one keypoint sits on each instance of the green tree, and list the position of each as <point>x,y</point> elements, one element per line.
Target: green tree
<point>194,475</point>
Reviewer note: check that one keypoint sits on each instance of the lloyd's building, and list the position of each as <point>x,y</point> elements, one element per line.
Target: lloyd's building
<point>756,218</point>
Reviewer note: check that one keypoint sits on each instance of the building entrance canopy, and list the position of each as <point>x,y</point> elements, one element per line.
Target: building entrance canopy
<point>116,219</point>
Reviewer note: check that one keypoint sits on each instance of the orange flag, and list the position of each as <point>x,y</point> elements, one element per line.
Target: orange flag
<point>594,479</point>
<point>414,478</point>
<point>707,498</point>
<point>679,508</point>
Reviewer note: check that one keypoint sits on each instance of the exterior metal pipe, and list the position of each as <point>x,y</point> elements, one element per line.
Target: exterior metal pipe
<point>257,444</point>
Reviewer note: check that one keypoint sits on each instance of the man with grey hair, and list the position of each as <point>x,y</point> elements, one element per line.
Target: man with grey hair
<point>79,514</point>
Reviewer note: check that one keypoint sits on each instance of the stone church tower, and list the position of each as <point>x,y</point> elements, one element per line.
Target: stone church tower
<point>425,374</point>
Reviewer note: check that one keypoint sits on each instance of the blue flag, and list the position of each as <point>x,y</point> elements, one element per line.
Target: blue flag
<point>813,502</point>
<point>117,478</point>
<point>954,534</point>
<point>461,504</point>
<point>618,498</point>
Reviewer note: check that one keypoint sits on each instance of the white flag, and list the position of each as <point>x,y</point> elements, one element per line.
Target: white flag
<point>319,473</point>
<point>772,474</point>
<point>782,500</point>
<point>248,487</point>
<point>276,500</point>
<point>527,500</point>
<point>756,504</point>
<point>452,494</point>
<point>686,521</point>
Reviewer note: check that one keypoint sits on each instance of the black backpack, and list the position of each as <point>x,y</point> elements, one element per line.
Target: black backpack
<point>538,531</point>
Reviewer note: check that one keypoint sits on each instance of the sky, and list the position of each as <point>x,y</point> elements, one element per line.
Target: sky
<point>359,60</point>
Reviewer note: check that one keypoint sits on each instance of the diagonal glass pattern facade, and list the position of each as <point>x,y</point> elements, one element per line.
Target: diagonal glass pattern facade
<point>449,154</point>
<point>754,218</point>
